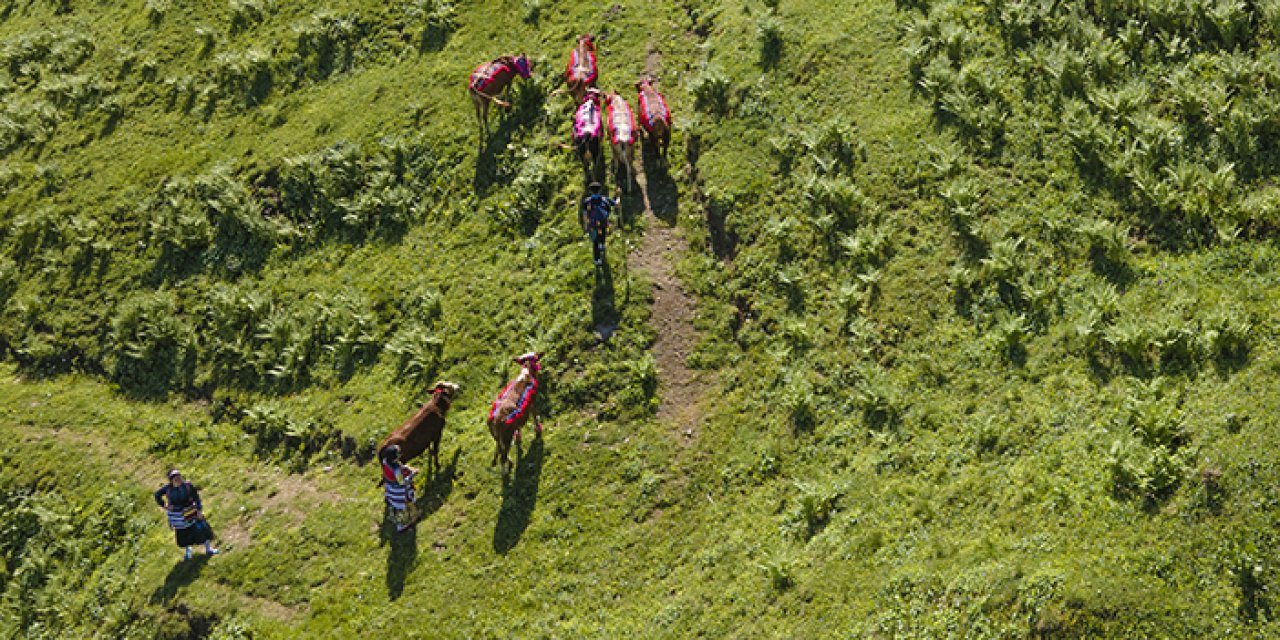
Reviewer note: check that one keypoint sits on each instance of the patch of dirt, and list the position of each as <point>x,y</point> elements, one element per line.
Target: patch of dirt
<point>652,60</point>
<point>293,495</point>
<point>680,389</point>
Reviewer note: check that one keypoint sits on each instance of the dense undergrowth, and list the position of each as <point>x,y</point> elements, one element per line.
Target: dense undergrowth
<point>986,290</point>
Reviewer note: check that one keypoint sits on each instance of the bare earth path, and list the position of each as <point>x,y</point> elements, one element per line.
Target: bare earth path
<point>680,389</point>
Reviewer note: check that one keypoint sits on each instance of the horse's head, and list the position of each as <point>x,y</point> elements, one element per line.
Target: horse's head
<point>447,389</point>
<point>522,66</point>
<point>593,94</point>
<point>586,41</point>
<point>530,361</point>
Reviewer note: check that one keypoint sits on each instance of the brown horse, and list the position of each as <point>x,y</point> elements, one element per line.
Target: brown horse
<point>421,433</point>
<point>491,80</point>
<point>513,407</point>
<point>622,134</point>
<point>581,73</point>
<point>588,129</point>
<point>655,119</point>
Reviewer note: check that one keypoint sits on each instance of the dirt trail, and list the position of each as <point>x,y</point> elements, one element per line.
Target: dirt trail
<point>680,389</point>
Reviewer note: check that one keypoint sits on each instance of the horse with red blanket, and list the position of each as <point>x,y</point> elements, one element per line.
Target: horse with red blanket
<point>622,133</point>
<point>588,129</point>
<point>491,80</point>
<point>581,73</point>
<point>513,408</point>
<point>655,118</point>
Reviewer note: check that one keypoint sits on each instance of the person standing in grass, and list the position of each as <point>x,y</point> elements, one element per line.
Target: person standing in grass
<point>181,502</point>
<point>397,479</point>
<point>595,219</point>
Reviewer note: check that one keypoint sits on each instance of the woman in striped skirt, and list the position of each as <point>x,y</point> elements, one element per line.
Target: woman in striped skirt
<point>181,502</point>
<point>397,479</point>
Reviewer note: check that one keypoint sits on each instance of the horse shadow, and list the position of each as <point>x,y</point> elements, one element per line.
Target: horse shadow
<point>660,188</point>
<point>519,496</point>
<point>438,489</point>
<point>526,107</point>
<point>182,574</point>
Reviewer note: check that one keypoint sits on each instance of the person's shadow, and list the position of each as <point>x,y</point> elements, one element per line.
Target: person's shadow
<point>182,574</point>
<point>403,556</point>
<point>518,498</point>
<point>604,311</point>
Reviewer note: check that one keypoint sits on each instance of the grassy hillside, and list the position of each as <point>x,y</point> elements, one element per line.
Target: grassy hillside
<point>984,296</point>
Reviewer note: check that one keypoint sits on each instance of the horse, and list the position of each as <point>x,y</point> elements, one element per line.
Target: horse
<point>513,407</point>
<point>655,118</point>
<point>491,79</point>
<point>622,133</point>
<point>588,129</point>
<point>581,73</point>
<point>421,433</point>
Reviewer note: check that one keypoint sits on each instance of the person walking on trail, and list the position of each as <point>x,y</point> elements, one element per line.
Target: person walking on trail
<point>397,479</point>
<point>181,501</point>
<point>595,219</point>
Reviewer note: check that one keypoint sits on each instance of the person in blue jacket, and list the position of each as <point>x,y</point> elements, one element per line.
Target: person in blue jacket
<point>181,502</point>
<point>595,219</point>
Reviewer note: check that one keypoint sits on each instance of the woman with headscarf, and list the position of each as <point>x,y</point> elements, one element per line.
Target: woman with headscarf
<point>181,502</point>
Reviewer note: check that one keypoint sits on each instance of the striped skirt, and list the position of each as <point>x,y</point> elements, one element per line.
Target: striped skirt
<point>189,532</point>
<point>398,496</point>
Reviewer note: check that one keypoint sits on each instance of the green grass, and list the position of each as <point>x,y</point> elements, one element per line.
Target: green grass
<point>986,291</point>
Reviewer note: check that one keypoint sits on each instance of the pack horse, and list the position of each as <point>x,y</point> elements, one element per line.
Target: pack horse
<point>491,80</point>
<point>513,408</point>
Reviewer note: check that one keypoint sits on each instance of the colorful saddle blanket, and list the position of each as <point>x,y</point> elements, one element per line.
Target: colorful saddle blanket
<point>622,125</point>
<point>485,74</point>
<point>586,122</point>
<point>522,403</point>
<point>582,68</point>
<point>653,110</point>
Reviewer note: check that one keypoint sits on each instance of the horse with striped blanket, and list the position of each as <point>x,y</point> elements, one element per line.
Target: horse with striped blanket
<point>581,73</point>
<point>513,408</point>
<point>655,118</point>
<point>622,133</point>
<point>588,129</point>
<point>491,80</point>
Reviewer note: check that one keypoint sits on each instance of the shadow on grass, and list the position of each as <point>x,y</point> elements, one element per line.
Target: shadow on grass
<point>437,489</point>
<point>604,311</point>
<point>403,556</point>
<point>182,574</point>
<point>526,107</point>
<point>518,498</point>
<point>660,187</point>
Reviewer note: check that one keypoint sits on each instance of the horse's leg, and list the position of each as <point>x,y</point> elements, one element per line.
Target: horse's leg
<point>626,164</point>
<point>497,443</point>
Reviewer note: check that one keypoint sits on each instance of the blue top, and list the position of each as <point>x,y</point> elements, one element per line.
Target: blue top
<point>180,497</point>
<point>598,208</point>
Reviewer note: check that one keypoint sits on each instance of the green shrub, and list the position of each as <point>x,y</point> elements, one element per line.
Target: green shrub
<point>150,347</point>
<point>417,354</point>
<point>712,91</point>
<point>814,506</point>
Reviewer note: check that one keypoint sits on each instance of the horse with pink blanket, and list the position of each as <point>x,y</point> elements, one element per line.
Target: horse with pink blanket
<point>588,129</point>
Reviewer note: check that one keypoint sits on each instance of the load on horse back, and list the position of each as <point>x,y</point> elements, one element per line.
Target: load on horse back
<point>581,73</point>
<point>491,80</point>
<point>655,119</point>
<point>588,129</point>
<point>622,133</point>
<point>513,408</point>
